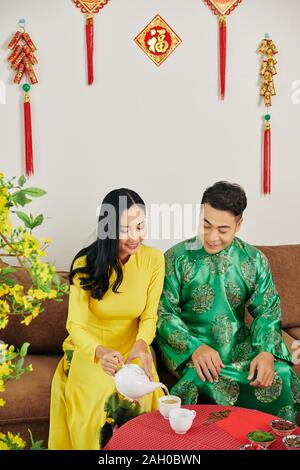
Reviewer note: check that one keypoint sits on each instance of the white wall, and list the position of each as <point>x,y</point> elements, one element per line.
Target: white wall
<point>161,131</point>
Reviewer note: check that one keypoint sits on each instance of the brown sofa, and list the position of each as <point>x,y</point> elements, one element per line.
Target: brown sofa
<point>28,399</point>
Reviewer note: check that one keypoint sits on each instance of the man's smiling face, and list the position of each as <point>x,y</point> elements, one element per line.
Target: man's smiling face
<point>217,228</point>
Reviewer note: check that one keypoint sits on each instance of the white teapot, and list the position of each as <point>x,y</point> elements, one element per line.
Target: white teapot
<point>132,382</point>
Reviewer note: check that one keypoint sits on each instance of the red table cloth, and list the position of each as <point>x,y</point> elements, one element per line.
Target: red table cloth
<point>152,432</point>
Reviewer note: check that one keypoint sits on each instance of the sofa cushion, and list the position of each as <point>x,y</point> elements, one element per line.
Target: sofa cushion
<point>294,332</point>
<point>47,332</point>
<point>285,266</point>
<point>27,399</point>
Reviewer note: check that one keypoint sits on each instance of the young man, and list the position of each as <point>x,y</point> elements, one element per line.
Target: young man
<point>202,333</point>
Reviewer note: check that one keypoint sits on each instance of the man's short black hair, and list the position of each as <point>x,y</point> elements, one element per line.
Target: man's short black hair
<point>226,197</point>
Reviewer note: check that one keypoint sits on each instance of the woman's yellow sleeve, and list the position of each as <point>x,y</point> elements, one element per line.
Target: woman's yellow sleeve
<point>77,322</point>
<point>148,318</point>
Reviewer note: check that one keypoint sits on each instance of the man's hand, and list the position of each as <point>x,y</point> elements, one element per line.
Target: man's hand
<point>140,349</point>
<point>207,362</point>
<point>110,359</point>
<point>263,364</point>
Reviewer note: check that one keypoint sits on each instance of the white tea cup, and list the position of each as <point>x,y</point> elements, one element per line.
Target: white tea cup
<point>168,403</point>
<point>181,420</point>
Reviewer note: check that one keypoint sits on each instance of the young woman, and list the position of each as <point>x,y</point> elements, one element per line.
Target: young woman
<point>116,285</point>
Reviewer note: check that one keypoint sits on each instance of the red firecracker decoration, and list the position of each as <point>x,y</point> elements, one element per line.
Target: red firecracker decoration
<point>22,60</point>
<point>222,8</point>
<point>90,7</point>
<point>268,69</point>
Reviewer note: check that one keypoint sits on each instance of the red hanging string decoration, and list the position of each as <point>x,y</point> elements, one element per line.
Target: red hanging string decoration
<point>222,47</point>
<point>222,8</point>
<point>90,47</point>
<point>22,60</point>
<point>89,8</point>
<point>267,71</point>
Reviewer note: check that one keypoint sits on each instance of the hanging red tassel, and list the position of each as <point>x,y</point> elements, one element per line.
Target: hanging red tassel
<point>28,132</point>
<point>89,30</point>
<point>90,8</point>
<point>222,48</point>
<point>222,8</point>
<point>267,159</point>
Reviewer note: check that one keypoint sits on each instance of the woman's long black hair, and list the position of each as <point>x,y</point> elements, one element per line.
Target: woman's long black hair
<point>102,256</point>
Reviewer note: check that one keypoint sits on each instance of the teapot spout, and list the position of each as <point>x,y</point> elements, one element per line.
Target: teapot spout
<point>155,385</point>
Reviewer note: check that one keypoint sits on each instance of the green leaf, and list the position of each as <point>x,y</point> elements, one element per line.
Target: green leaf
<point>8,270</point>
<point>19,364</point>
<point>35,192</point>
<point>10,356</point>
<point>38,445</point>
<point>20,198</point>
<point>25,218</point>
<point>10,282</point>
<point>30,435</point>
<point>56,279</point>
<point>44,288</point>
<point>21,180</point>
<point>24,348</point>
<point>38,221</point>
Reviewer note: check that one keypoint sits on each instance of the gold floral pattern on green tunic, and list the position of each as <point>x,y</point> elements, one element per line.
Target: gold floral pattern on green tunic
<point>265,261</point>
<point>241,355</point>
<point>187,270</point>
<point>255,328</point>
<point>178,340</point>
<point>172,299</point>
<point>221,329</point>
<point>170,364</point>
<point>187,391</point>
<point>274,338</point>
<point>267,395</point>
<point>218,264</point>
<point>226,391</point>
<point>272,314</point>
<point>233,294</point>
<point>295,390</point>
<point>203,298</point>
<point>287,412</point>
<point>170,263</point>
<point>242,334</point>
<point>190,365</point>
<point>248,269</point>
<point>254,296</point>
<point>164,317</point>
<point>270,293</point>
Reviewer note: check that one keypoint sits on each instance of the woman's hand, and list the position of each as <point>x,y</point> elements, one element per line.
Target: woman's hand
<point>140,350</point>
<point>110,359</point>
